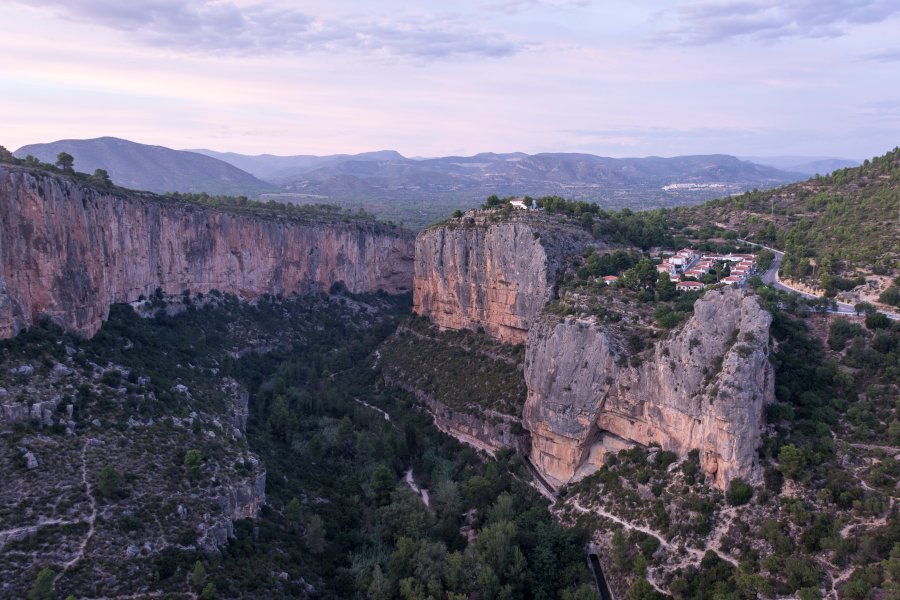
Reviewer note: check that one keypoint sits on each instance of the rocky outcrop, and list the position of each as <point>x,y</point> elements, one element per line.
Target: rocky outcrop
<point>68,251</point>
<point>486,430</point>
<point>704,387</point>
<point>476,272</point>
<point>243,501</point>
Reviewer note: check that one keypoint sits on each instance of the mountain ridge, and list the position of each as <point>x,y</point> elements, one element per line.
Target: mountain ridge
<point>420,191</point>
<point>150,167</point>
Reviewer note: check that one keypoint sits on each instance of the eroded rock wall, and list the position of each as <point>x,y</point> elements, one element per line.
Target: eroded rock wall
<point>475,272</point>
<point>69,251</point>
<point>703,387</point>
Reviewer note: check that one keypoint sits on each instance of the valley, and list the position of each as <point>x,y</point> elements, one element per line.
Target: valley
<point>216,399</point>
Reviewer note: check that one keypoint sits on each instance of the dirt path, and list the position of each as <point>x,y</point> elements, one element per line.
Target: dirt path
<point>694,552</point>
<point>599,511</point>
<point>420,492</point>
<point>26,530</point>
<point>91,518</point>
<point>386,416</point>
<point>888,449</point>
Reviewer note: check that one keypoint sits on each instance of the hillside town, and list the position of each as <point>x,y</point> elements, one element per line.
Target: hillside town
<point>689,268</point>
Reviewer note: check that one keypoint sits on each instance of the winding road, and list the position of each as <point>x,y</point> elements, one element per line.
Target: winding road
<point>770,277</point>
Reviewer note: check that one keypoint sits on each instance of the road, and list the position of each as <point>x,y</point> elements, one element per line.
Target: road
<point>770,277</point>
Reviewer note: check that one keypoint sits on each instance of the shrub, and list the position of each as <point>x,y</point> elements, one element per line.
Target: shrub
<point>890,296</point>
<point>112,378</point>
<point>877,320</point>
<point>739,492</point>
<point>791,460</point>
<point>198,575</point>
<point>109,481</point>
<point>43,588</point>
<point>193,460</point>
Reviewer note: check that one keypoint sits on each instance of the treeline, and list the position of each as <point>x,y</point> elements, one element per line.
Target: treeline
<point>300,212</point>
<point>64,165</point>
<point>287,210</point>
<point>642,229</point>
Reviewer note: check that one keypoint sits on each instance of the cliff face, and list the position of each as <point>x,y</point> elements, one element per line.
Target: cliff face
<point>69,251</point>
<point>497,275</point>
<point>704,387</point>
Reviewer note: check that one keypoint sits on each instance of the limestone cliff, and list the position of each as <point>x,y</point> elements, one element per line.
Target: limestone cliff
<point>68,251</point>
<point>703,387</point>
<point>474,271</point>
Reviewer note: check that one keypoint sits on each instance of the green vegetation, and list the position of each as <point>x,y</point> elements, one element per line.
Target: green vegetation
<point>43,588</point>
<point>65,161</point>
<point>367,533</point>
<point>109,482</point>
<point>892,294</point>
<point>198,575</point>
<point>271,208</point>
<point>466,370</point>
<point>739,492</point>
<point>64,165</point>
<point>600,265</point>
<point>193,461</point>
<point>338,515</point>
<point>831,228</point>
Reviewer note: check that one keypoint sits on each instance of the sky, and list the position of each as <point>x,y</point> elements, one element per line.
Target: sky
<point>607,77</point>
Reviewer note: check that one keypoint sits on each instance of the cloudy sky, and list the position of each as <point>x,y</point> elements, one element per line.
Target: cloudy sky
<point>609,77</point>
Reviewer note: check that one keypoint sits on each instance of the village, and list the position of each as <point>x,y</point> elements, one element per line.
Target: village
<point>691,269</point>
<point>688,266</point>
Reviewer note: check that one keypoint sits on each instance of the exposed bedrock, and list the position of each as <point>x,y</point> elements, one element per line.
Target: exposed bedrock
<point>474,272</point>
<point>704,387</point>
<point>68,251</point>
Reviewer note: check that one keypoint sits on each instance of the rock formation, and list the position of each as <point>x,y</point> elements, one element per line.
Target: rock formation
<point>704,387</point>
<point>498,275</point>
<point>68,251</point>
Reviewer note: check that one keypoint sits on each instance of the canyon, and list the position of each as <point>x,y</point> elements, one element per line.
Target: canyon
<point>69,251</point>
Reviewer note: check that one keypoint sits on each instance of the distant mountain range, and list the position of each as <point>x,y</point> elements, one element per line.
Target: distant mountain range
<point>419,191</point>
<point>423,190</point>
<point>808,165</point>
<point>153,168</point>
<point>283,169</point>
